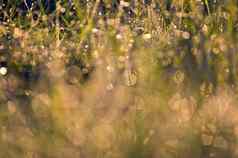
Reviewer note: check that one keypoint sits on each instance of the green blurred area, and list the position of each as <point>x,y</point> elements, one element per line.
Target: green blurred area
<point>123,79</point>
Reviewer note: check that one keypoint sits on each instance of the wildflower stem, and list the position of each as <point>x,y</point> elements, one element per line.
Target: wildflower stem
<point>207,6</point>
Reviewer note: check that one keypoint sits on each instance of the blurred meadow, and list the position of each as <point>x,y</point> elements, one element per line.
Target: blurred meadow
<point>118,78</point>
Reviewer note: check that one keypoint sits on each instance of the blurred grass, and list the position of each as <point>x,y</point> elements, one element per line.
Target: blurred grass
<point>145,79</point>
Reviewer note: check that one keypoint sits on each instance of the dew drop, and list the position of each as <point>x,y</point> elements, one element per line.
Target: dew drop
<point>147,36</point>
<point>3,71</point>
<point>110,87</point>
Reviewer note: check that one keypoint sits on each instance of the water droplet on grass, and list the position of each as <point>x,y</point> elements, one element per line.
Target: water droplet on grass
<point>95,30</point>
<point>62,10</point>
<point>125,4</point>
<point>3,71</point>
<point>110,87</point>
<point>110,68</point>
<point>147,36</point>
<point>118,36</point>
<point>186,35</point>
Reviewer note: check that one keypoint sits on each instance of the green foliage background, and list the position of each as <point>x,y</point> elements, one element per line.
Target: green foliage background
<point>155,78</point>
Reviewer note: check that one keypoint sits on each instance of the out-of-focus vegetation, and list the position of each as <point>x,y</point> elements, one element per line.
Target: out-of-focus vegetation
<point>118,79</point>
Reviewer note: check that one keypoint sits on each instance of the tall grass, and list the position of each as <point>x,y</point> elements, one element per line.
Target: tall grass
<point>131,79</point>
